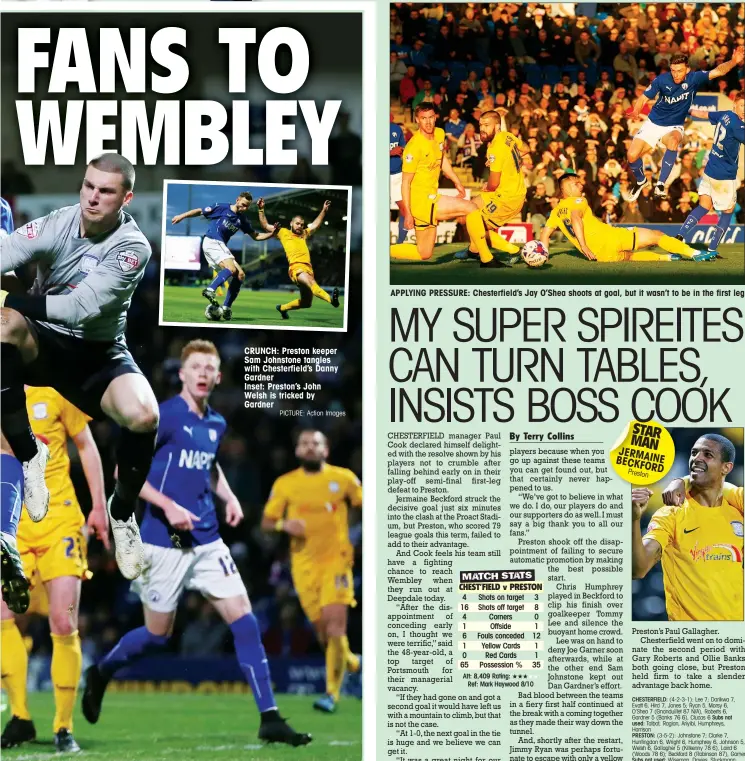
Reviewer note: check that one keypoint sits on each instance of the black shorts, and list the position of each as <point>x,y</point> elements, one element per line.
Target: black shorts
<point>80,370</point>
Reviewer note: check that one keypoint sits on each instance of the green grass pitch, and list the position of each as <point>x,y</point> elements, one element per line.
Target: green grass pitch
<point>255,308</point>
<point>568,267</point>
<point>190,727</point>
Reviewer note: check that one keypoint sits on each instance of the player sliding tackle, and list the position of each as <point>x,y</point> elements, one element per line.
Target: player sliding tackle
<point>295,243</point>
<point>676,90</point>
<point>602,242</point>
<point>183,546</point>
<point>697,536</point>
<point>424,158</point>
<point>70,335</point>
<point>504,195</point>
<point>718,189</point>
<point>226,219</point>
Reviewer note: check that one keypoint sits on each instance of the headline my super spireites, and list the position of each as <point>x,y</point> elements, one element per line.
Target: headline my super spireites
<point>172,131</point>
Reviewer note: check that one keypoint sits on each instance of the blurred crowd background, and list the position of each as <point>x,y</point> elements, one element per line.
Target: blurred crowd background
<point>562,75</point>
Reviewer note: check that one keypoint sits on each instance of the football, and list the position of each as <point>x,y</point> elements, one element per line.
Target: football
<point>534,253</point>
<point>213,312</point>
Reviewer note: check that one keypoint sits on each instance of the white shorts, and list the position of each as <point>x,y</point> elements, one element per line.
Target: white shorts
<point>396,180</point>
<point>723,193</point>
<point>206,568</point>
<point>215,251</point>
<point>652,133</point>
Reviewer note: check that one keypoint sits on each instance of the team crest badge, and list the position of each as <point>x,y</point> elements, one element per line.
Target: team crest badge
<point>39,411</point>
<point>441,146</point>
<point>408,157</point>
<point>127,260</point>
<point>685,85</point>
<point>333,487</point>
<point>87,263</point>
<point>737,527</point>
<point>30,230</point>
<point>213,434</point>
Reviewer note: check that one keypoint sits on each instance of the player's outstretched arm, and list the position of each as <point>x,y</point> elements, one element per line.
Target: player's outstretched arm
<point>727,66</point>
<point>449,172</point>
<point>186,215</point>
<point>233,510</point>
<point>316,223</point>
<point>262,217</point>
<point>579,229</point>
<point>292,526</point>
<point>645,552</point>
<point>273,230</point>
<point>638,107</point>
<point>699,113</point>
<point>90,459</point>
<point>546,234</point>
<point>179,517</point>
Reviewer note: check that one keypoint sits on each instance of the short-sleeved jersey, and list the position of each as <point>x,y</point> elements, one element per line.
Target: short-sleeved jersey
<point>53,420</point>
<point>321,500</point>
<point>675,100</point>
<point>6,218</point>
<point>423,158</point>
<point>725,151</point>
<point>89,281</point>
<point>595,230</point>
<point>397,140</point>
<point>185,455</point>
<point>295,246</point>
<point>702,558</point>
<point>503,155</point>
<point>224,222</point>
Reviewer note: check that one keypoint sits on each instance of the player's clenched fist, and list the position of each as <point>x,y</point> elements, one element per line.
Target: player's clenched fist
<point>639,499</point>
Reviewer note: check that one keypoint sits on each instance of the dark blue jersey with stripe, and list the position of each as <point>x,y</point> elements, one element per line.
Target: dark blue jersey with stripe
<point>675,100</point>
<point>225,222</point>
<point>397,138</point>
<point>182,470</point>
<point>725,151</point>
<point>6,217</point>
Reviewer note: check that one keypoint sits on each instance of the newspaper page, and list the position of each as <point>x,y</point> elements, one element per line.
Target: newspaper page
<point>560,524</point>
<point>182,375</point>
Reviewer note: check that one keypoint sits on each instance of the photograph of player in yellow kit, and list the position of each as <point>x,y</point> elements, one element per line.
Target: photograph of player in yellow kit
<point>696,534</point>
<point>503,197</point>
<point>53,553</point>
<point>294,241</point>
<point>601,242</point>
<point>424,159</point>
<point>311,504</point>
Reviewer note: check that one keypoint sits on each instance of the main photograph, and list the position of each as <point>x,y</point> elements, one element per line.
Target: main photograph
<point>571,144</point>
<point>181,526</point>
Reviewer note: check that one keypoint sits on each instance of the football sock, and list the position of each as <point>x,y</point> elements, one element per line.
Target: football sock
<point>405,252</point>
<point>477,235</point>
<point>402,231</point>
<point>318,292</point>
<point>14,668</point>
<point>252,660</point>
<point>351,660</point>
<point>67,664</point>
<point>648,256</point>
<point>11,493</point>
<point>130,648</point>
<point>233,290</point>
<point>675,246</point>
<point>668,162</point>
<point>134,456</point>
<point>502,244</point>
<point>219,290</point>
<point>335,666</point>
<point>637,167</point>
<point>722,225</point>
<point>222,276</point>
<point>14,416</point>
<point>692,220</point>
<point>290,305</point>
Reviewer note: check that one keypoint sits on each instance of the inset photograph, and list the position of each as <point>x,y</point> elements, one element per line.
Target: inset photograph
<point>687,532</point>
<point>255,256</point>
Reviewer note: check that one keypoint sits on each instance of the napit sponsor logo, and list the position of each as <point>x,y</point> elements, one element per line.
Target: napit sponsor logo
<point>194,459</point>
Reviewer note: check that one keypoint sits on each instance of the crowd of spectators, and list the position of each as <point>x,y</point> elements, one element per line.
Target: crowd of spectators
<point>562,76</point>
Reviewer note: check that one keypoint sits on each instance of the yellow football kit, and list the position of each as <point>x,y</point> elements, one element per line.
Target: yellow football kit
<point>702,557</point>
<point>608,243</point>
<point>506,202</point>
<point>296,251</point>
<point>321,560</point>
<point>55,546</point>
<point>423,159</point>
